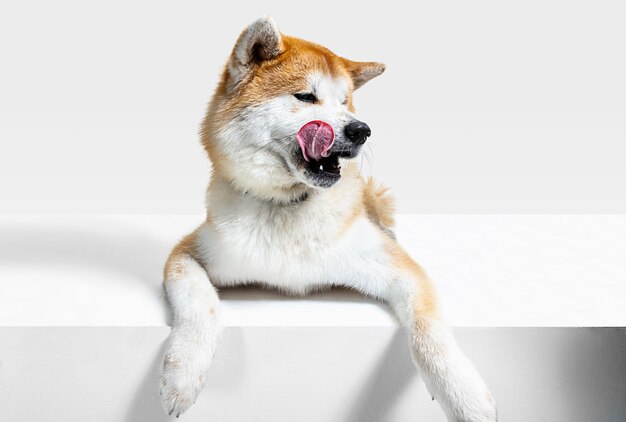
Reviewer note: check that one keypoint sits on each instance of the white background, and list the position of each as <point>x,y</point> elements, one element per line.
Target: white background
<point>486,106</point>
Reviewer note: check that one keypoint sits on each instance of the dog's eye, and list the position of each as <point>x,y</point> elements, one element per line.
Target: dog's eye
<point>306,97</point>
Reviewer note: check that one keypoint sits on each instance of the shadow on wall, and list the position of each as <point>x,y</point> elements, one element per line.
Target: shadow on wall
<point>597,383</point>
<point>137,255</point>
<point>146,404</point>
<point>255,292</point>
<point>110,247</point>
<point>379,394</point>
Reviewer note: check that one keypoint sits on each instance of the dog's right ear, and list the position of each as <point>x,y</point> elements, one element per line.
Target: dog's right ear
<point>258,42</point>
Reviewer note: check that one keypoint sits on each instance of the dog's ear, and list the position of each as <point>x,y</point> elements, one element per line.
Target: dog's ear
<point>258,42</point>
<point>362,72</point>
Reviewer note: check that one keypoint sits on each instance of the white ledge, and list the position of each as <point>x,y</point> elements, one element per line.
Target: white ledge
<point>523,270</point>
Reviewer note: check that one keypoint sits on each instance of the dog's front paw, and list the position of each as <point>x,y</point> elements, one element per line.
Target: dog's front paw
<point>179,390</point>
<point>475,406</point>
<point>463,394</point>
<point>185,367</point>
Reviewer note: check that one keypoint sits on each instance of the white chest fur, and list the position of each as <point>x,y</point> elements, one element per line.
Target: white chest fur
<point>295,247</point>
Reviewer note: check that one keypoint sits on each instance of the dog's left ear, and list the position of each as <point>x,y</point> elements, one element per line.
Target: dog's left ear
<point>362,72</point>
<point>258,42</point>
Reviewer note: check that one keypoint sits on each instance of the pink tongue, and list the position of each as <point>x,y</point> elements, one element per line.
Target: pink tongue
<point>315,139</point>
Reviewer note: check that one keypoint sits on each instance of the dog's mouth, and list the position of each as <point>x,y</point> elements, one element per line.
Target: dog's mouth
<point>325,165</point>
<point>325,171</point>
<point>320,152</point>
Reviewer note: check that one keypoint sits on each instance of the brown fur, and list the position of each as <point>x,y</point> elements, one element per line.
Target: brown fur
<point>425,301</point>
<point>186,247</point>
<point>285,74</point>
<point>351,173</point>
<point>379,204</point>
<point>256,73</point>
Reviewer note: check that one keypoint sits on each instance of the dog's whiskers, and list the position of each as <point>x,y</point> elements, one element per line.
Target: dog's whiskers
<point>369,159</point>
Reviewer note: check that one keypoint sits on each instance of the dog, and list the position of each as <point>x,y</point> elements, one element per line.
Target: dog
<point>288,208</point>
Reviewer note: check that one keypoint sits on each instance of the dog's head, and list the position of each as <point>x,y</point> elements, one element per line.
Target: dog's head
<point>273,85</point>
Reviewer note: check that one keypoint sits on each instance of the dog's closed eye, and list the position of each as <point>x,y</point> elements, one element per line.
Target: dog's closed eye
<point>306,97</point>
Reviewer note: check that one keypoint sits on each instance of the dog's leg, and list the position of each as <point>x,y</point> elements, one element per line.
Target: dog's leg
<point>449,375</point>
<point>195,327</point>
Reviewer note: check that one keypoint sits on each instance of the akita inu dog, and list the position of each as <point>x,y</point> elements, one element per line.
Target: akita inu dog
<point>287,208</point>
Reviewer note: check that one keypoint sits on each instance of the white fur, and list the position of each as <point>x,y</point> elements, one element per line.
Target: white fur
<point>257,233</point>
<point>262,138</point>
<point>287,247</point>
<point>293,248</point>
<point>450,376</point>
<point>195,331</point>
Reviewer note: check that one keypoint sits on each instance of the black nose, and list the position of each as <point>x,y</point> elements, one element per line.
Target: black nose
<point>357,132</point>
